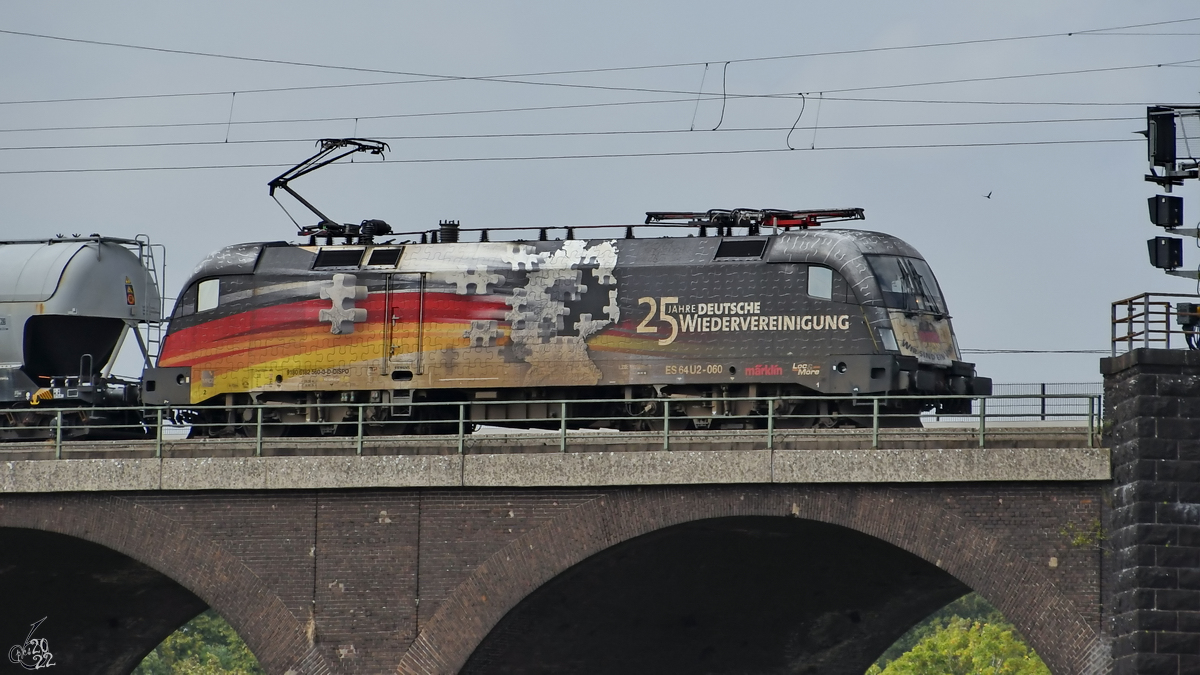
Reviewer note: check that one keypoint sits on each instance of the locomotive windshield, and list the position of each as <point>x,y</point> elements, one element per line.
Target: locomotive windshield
<point>907,283</point>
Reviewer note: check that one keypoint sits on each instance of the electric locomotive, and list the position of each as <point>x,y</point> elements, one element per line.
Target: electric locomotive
<point>694,322</point>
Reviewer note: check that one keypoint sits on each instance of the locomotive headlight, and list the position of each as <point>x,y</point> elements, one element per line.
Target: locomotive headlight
<point>889,339</point>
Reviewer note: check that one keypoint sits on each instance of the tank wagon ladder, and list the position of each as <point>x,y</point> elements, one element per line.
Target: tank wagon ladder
<point>148,259</point>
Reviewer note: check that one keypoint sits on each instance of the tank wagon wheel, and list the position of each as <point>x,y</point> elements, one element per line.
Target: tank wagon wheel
<point>37,425</point>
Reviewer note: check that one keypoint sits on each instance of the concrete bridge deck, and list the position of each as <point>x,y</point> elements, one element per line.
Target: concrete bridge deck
<point>539,460</point>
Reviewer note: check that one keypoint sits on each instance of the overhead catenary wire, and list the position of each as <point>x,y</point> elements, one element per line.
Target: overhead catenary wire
<point>568,134</point>
<point>725,95</point>
<point>615,155</point>
<point>924,101</point>
<point>486,111</point>
<point>167,125</point>
<point>427,77</point>
<point>998,78</point>
<point>1034,351</point>
<point>698,95</point>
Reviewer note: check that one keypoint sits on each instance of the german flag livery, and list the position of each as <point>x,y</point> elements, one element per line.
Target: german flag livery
<point>831,311</point>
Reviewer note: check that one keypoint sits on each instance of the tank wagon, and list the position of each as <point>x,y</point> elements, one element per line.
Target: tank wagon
<point>779,310</point>
<point>66,305</point>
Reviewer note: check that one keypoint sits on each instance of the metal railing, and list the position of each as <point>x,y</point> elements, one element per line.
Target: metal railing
<point>1037,401</point>
<point>661,422</point>
<point>1148,320</point>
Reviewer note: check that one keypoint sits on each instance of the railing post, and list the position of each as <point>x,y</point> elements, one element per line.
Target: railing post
<point>1146,321</point>
<point>158,433</point>
<point>1043,401</point>
<point>462,416</point>
<point>1167,323</point>
<point>666,424</point>
<point>562,436</point>
<point>58,434</point>
<point>875,422</point>
<point>1112,345</point>
<point>771,424</point>
<point>258,435</point>
<point>1129,326</point>
<point>1091,422</point>
<point>359,440</point>
<point>982,419</point>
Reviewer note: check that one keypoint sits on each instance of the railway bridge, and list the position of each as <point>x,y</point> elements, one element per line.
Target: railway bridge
<point>675,552</point>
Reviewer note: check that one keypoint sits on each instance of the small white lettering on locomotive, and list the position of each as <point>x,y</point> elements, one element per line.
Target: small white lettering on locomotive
<point>723,317</point>
<point>694,369</point>
<point>806,368</point>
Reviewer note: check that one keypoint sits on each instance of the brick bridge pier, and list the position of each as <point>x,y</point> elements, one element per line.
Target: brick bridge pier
<point>779,560</point>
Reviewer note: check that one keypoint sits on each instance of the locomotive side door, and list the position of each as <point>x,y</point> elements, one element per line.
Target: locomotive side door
<point>404,330</point>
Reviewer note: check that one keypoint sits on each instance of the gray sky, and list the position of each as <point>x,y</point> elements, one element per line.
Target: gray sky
<point>1033,267</point>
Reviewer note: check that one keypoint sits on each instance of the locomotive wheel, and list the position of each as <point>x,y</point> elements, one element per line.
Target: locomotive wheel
<point>828,415</point>
<point>274,430</point>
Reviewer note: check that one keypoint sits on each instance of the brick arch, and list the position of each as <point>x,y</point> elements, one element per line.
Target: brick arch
<point>218,578</point>
<point>910,520</point>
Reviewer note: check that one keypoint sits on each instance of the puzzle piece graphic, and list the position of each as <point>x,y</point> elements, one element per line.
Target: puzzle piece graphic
<point>479,280</point>
<point>538,308</point>
<point>342,291</point>
<point>565,289</point>
<point>552,347</point>
<point>482,333</point>
<point>605,254</point>
<point>519,302</point>
<point>551,321</point>
<point>521,254</point>
<point>588,327</point>
<point>612,309</point>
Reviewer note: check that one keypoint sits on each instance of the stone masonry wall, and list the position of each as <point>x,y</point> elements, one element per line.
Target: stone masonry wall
<point>1152,409</point>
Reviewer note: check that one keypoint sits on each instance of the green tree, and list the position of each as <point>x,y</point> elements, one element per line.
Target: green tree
<point>966,647</point>
<point>970,606</point>
<point>206,645</point>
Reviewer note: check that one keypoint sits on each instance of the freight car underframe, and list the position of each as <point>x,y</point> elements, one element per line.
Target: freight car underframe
<point>708,405</point>
<point>100,407</point>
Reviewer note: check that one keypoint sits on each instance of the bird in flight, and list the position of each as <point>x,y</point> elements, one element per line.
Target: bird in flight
<point>988,196</point>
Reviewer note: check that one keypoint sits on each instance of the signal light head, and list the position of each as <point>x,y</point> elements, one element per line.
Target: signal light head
<point>1160,132</point>
<point>1166,253</point>
<point>1166,211</point>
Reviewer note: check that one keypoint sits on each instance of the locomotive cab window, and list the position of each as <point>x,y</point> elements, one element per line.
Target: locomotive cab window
<point>208,294</point>
<point>825,284</point>
<point>186,305</point>
<point>907,283</point>
<point>820,282</point>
